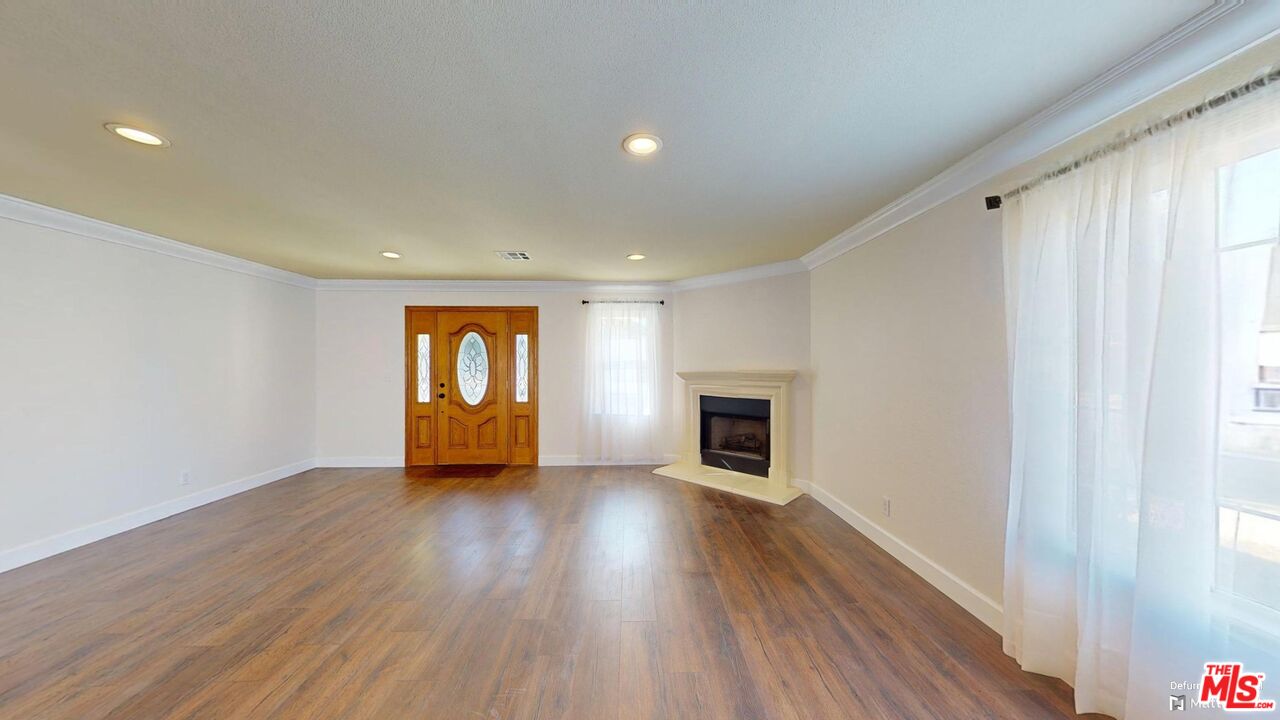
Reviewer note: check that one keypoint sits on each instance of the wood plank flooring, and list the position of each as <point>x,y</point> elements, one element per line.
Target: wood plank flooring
<point>585,593</point>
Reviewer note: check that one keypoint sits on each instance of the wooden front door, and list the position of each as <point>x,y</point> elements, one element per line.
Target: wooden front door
<point>474,357</point>
<point>471,395</point>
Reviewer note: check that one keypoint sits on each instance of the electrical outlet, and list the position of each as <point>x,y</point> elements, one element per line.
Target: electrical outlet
<point>185,478</point>
<point>886,507</point>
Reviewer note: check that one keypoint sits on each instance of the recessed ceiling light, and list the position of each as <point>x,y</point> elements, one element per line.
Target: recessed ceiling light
<point>391,254</point>
<point>642,144</point>
<point>136,135</point>
<point>635,256</point>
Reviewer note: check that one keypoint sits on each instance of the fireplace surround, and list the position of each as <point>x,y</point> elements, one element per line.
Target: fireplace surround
<point>736,433</point>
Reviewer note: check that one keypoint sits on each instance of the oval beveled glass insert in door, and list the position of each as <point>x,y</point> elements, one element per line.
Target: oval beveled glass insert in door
<point>473,368</point>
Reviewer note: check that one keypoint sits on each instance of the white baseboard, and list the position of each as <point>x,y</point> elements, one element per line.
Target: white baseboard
<point>361,461</point>
<point>50,546</point>
<point>980,606</point>
<point>566,460</point>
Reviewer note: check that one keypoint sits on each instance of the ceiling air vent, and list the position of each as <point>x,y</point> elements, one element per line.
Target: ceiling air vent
<point>513,255</point>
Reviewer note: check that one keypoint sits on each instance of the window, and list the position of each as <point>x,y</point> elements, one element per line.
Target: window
<point>522,368</point>
<point>1247,201</point>
<point>621,382</point>
<point>621,363</point>
<point>1266,394</point>
<point>424,368</point>
<point>1269,371</point>
<point>1266,399</point>
<point>1248,490</point>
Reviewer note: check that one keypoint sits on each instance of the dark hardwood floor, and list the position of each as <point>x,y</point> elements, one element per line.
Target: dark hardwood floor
<point>539,593</point>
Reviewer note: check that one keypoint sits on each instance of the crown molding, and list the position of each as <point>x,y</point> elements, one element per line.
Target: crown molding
<point>519,286</point>
<point>755,272</point>
<point>1221,30</point>
<point>25,211</point>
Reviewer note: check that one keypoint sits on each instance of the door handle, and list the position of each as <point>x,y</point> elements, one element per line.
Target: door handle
<point>441,396</point>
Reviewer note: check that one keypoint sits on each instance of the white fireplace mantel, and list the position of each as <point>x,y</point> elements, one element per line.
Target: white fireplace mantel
<point>771,385</point>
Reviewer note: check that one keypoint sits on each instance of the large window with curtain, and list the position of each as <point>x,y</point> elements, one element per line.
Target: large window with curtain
<point>621,380</point>
<point>1143,290</point>
<point>1248,492</point>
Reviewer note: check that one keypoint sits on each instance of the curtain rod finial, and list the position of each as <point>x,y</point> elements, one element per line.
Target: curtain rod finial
<point>993,202</point>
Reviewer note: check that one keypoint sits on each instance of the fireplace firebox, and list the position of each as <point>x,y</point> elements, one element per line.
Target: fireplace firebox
<point>735,434</point>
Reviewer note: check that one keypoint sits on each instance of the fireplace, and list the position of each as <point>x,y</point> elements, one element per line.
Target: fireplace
<point>734,434</point>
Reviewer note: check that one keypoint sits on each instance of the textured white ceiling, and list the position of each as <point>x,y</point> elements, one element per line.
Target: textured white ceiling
<point>311,135</point>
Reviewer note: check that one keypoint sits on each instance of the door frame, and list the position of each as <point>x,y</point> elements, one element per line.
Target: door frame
<point>521,417</point>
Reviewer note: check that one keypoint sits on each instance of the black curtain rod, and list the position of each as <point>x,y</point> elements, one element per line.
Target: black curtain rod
<point>625,302</point>
<point>1269,78</point>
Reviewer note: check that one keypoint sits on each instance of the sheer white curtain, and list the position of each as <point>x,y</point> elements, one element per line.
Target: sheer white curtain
<point>622,411</point>
<point>1143,533</point>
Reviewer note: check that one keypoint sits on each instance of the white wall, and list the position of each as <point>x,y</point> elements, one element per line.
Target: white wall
<point>910,398</point>
<point>755,325</point>
<point>360,369</point>
<point>121,368</point>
